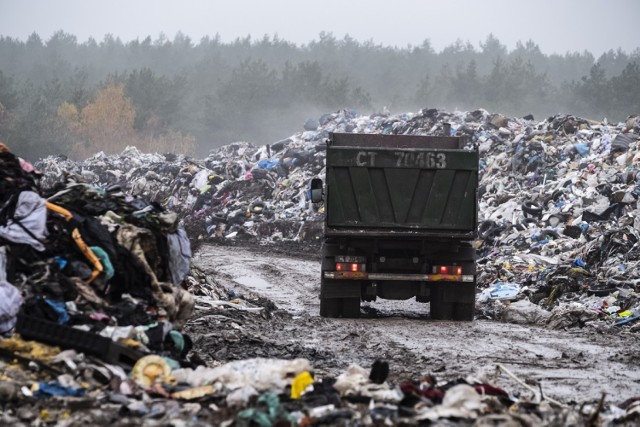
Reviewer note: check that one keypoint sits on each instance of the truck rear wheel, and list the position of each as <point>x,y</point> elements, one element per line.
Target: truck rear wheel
<point>453,301</point>
<point>463,311</point>
<point>464,307</point>
<point>340,306</point>
<point>440,308</point>
<point>330,307</point>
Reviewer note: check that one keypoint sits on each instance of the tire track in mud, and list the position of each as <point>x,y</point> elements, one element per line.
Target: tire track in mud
<point>573,365</point>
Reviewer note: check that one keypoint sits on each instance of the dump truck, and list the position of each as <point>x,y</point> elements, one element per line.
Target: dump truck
<point>400,218</point>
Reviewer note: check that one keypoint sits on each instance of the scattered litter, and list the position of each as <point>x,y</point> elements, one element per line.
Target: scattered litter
<point>100,252</point>
<point>500,291</point>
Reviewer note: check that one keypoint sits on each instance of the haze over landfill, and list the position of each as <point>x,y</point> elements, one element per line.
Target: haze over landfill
<point>203,74</point>
<point>557,27</point>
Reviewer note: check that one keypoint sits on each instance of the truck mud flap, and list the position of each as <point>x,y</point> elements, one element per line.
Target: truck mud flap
<point>341,289</point>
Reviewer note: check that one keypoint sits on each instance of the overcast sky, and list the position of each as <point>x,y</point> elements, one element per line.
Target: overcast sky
<point>557,26</point>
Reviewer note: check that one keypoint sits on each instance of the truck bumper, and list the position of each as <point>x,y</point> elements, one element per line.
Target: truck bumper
<point>363,275</point>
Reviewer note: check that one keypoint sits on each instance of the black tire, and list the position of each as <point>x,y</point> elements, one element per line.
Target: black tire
<point>493,234</point>
<point>527,221</point>
<point>464,311</point>
<point>555,195</point>
<point>555,220</point>
<point>532,208</point>
<point>484,227</point>
<point>464,307</point>
<point>460,306</point>
<point>329,307</point>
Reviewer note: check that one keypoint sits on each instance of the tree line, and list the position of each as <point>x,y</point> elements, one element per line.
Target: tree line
<point>60,96</point>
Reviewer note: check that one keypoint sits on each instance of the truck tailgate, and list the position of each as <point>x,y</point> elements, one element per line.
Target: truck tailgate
<point>413,189</point>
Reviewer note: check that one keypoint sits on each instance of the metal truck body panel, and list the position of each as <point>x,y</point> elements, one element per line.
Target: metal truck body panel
<point>402,189</point>
<point>399,214</point>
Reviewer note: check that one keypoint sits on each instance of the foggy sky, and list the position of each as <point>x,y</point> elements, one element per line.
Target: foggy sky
<point>557,26</point>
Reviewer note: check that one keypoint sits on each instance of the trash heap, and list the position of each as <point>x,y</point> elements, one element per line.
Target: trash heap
<point>96,257</point>
<point>559,222</point>
<point>238,192</point>
<point>91,287</point>
<point>558,211</point>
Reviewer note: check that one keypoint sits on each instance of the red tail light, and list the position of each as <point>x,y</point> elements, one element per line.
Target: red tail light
<point>350,266</point>
<point>448,269</point>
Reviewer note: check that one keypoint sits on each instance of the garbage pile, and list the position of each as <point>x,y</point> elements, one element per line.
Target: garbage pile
<point>559,223</point>
<point>239,191</point>
<point>95,262</point>
<point>267,392</point>
<point>558,212</point>
<point>91,283</point>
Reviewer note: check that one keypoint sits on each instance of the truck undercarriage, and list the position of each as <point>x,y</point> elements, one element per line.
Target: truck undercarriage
<point>355,270</point>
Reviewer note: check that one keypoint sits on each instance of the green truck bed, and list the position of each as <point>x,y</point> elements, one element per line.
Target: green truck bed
<point>395,183</point>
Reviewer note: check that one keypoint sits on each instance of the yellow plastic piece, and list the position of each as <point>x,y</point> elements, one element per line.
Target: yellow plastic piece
<point>150,368</point>
<point>300,384</point>
<point>31,349</point>
<point>130,342</point>
<point>75,234</point>
<point>193,393</point>
<point>59,209</point>
<point>97,265</point>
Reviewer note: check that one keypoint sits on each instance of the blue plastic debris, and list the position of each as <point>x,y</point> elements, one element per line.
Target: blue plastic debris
<point>268,164</point>
<point>54,388</point>
<point>500,291</point>
<point>582,149</point>
<point>61,310</point>
<point>579,263</point>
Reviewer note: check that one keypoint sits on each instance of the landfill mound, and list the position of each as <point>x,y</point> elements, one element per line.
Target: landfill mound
<point>558,211</point>
<point>97,282</point>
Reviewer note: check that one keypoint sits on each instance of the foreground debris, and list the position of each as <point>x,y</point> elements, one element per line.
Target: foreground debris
<point>100,258</point>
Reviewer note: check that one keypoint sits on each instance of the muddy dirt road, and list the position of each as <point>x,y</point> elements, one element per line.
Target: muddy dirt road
<point>571,366</point>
